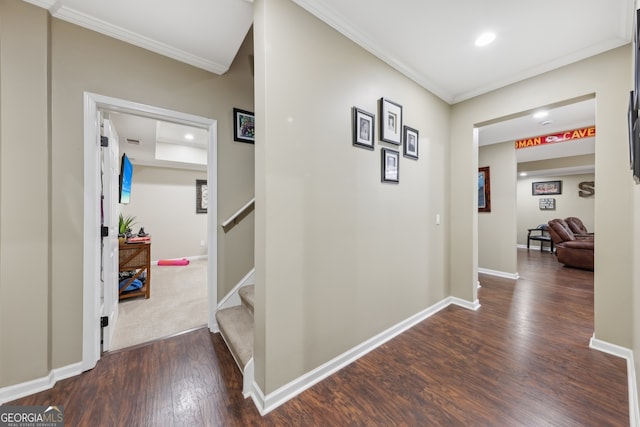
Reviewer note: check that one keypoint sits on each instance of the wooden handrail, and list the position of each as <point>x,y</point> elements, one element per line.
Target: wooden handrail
<point>239,215</point>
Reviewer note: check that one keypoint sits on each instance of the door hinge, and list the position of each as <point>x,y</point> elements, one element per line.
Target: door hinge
<point>104,141</point>
<point>104,231</point>
<point>104,321</point>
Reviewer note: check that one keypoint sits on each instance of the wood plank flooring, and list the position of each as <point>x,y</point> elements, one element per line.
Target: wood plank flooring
<point>522,359</point>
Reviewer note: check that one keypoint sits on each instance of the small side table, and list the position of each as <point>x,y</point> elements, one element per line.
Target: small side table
<point>135,257</point>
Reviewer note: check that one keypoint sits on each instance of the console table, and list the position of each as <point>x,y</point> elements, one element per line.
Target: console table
<point>135,257</point>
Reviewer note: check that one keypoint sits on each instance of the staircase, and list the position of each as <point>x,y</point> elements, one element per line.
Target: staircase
<point>236,327</point>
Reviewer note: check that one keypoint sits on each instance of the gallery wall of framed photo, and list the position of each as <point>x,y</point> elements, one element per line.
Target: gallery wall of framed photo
<point>392,132</point>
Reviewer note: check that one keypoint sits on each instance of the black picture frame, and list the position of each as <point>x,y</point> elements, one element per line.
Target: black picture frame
<point>484,189</point>
<point>202,196</point>
<point>410,142</point>
<point>632,117</point>
<point>543,188</point>
<point>636,151</point>
<point>390,165</point>
<point>363,128</point>
<point>636,59</point>
<point>390,121</point>
<point>244,126</point>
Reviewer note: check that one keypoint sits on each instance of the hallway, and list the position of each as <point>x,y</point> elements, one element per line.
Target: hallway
<point>522,359</point>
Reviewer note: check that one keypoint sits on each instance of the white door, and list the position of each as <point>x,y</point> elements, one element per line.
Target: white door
<point>93,298</point>
<point>110,172</point>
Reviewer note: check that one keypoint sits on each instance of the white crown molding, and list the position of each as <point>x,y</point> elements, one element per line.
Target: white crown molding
<point>535,71</point>
<point>45,4</point>
<point>75,17</point>
<point>341,25</point>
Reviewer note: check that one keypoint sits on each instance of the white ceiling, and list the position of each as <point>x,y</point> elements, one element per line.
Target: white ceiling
<point>151,142</point>
<point>430,41</point>
<point>561,118</point>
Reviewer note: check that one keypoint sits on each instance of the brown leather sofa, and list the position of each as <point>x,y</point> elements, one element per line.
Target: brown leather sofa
<point>572,251</point>
<point>578,228</point>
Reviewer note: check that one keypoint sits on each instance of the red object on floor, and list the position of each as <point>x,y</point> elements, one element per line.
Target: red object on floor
<point>182,261</point>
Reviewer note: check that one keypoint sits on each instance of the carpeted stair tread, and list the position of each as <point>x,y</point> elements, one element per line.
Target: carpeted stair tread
<point>246,295</point>
<point>236,327</point>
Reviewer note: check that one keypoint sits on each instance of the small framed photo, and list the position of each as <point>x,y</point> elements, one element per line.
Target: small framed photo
<point>546,187</point>
<point>244,126</point>
<point>410,143</point>
<point>390,165</point>
<point>390,121</point>
<point>363,128</point>
<point>201,196</point>
<point>547,204</point>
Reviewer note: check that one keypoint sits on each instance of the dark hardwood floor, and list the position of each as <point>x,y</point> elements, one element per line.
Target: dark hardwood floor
<point>522,359</point>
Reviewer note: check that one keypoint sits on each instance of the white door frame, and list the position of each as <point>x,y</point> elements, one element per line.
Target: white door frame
<point>91,251</point>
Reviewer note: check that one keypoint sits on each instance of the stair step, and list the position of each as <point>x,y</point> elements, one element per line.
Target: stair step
<point>236,327</point>
<point>246,295</point>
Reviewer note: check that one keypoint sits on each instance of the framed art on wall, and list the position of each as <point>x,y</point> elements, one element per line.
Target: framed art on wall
<point>410,143</point>
<point>201,196</point>
<point>390,165</point>
<point>363,128</point>
<point>390,121</point>
<point>547,204</point>
<point>243,126</point>
<point>546,187</point>
<point>484,189</point>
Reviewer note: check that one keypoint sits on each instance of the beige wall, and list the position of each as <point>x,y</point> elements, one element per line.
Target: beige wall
<point>613,216</point>
<point>569,203</point>
<point>497,229</point>
<point>573,162</point>
<point>340,256</point>
<point>163,202</point>
<point>42,230</point>
<point>25,287</point>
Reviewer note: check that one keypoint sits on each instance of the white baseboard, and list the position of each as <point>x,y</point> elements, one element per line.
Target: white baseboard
<point>465,304</point>
<point>499,273</point>
<point>233,298</point>
<point>627,354</point>
<point>534,247</point>
<point>266,404</point>
<point>17,391</point>
<point>248,379</point>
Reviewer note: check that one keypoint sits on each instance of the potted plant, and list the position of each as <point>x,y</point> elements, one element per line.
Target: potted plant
<point>124,227</point>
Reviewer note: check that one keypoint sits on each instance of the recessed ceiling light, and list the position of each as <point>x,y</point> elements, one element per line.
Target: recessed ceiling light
<point>540,114</point>
<point>523,174</point>
<point>485,38</point>
<point>546,122</point>
<point>189,136</point>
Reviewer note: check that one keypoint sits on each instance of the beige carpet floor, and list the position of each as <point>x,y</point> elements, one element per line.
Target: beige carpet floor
<point>178,303</point>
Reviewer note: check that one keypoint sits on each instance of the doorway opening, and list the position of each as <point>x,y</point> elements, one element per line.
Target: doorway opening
<point>95,106</point>
<point>545,157</point>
